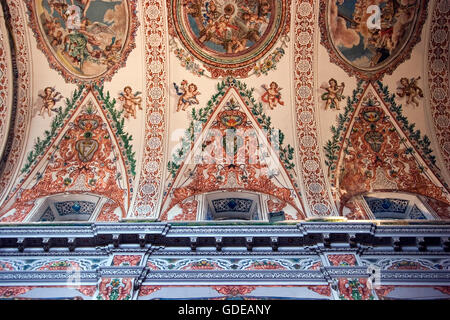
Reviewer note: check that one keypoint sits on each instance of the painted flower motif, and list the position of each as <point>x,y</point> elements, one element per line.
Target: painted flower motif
<point>115,283</point>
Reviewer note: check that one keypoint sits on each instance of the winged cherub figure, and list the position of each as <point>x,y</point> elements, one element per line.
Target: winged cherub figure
<point>130,101</point>
<point>49,99</point>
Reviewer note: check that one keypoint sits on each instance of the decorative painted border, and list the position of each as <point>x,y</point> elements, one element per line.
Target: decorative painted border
<point>316,191</point>
<point>152,167</point>
<point>66,74</point>
<point>6,86</point>
<point>438,76</point>
<point>405,53</point>
<point>23,97</point>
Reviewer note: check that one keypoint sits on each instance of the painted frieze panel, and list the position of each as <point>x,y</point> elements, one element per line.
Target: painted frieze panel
<point>235,292</point>
<point>85,40</point>
<point>234,264</point>
<point>369,38</point>
<point>342,260</point>
<point>115,289</point>
<point>354,289</point>
<point>24,264</point>
<point>228,37</point>
<point>408,263</point>
<point>126,260</point>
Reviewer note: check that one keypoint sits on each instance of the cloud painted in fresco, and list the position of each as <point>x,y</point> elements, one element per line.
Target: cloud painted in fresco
<point>117,17</point>
<point>342,35</point>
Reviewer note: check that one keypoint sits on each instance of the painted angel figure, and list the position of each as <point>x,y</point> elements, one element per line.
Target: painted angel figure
<point>410,89</point>
<point>49,99</point>
<point>188,95</point>
<point>85,3</point>
<point>334,94</point>
<point>272,96</point>
<point>130,101</point>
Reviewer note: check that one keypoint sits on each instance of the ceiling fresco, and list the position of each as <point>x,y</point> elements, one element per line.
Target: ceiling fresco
<point>86,41</point>
<point>228,38</point>
<point>155,106</point>
<point>370,38</point>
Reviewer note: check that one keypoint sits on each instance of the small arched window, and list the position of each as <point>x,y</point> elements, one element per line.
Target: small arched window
<point>70,207</point>
<point>396,206</point>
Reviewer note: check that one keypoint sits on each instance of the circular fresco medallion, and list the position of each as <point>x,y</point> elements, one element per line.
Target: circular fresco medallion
<point>229,34</point>
<point>371,37</point>
<point>85,40</point>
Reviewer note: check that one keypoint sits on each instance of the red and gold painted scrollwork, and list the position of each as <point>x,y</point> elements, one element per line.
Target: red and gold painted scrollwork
<point>115,289</point>
<point>443,289</point>
<point>275,206</point>
<point>189,211</point>
<point>322,290</point>
<point>442,209</point>
<point>339,260</point>
<point>84,156</point>
<point>107,212</point>
<point>147,290</point>
<point>21,212</point>
<point>87,290</point>
<point>234,290</point>
<point>220,168</point>
<point>354,289</point>
<point>357,210</point>
<point>13,291</point>
<point>383,291</point>
<point>375,144</point>
<point>130,260</point>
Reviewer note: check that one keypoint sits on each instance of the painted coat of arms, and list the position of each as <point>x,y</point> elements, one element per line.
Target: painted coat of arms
<point>85,40</point>
<point>369,38</point>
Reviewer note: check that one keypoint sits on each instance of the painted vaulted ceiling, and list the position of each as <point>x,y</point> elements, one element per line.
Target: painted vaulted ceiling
<point>153,109</point>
